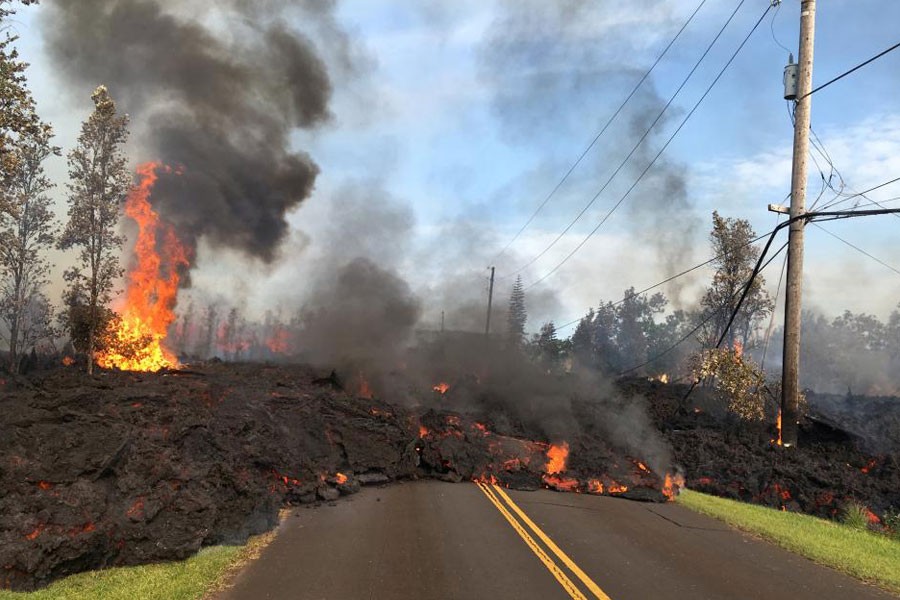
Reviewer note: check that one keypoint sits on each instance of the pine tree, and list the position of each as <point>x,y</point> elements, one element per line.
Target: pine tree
<point>99,182</point>
<point>27,230</point>
<point>516,317</point>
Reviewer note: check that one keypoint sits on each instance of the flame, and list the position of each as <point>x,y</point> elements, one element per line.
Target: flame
<point>672,486</point>
<point>423,431</point>
<point>152,285</point>
<point>441,388</point>
<point>340,478</point>
<point>662,378</point>
<point>738,349</point>
<point>279,342</point>
<point>365,390</point>
<point>557,455</point>
<point>68,361</point>
<point>595,486</point>
<point>778,426</point>
<point>869,465</point>
<point>643,467</point>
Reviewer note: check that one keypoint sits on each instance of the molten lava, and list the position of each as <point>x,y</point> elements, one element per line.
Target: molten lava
<point>152,286</point>
<point>340,478</point>
<point>441,388</point>
<point>557,455</point>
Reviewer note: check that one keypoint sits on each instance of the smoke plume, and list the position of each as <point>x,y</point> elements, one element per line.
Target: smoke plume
<point>218,98</point>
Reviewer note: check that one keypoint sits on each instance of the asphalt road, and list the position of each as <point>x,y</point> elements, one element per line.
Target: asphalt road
<point>431,540</point>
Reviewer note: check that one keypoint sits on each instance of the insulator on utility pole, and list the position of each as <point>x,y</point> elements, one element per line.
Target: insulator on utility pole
<point>791,73</point>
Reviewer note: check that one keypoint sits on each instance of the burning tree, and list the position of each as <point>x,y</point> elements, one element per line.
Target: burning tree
<point>26,230</point>
<point>100,181</point>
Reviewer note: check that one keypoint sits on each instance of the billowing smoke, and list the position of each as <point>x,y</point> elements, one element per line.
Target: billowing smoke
<point>217,97</point>
<point>558,71</point>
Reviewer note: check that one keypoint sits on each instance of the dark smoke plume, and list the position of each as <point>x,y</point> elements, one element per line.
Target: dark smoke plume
<point>218,100</point>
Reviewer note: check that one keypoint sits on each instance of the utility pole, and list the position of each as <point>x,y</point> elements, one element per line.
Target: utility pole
<point>487,325</point>
<point>442,321</point>
<point>790,382</point>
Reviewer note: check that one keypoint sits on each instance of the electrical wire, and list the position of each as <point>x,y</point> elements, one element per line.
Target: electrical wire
<point>742,290</point>
<point>655,158</point>
<point>858,249</point>
<point>845,73</point>
<point>602,131</point>
<point>633,149</point>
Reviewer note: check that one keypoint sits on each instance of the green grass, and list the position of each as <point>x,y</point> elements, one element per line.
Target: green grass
<point>863,554</point>
<point>190,579</point>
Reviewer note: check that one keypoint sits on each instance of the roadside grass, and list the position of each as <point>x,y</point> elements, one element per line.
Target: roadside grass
<point>863,554</point>
<point>198,577</point>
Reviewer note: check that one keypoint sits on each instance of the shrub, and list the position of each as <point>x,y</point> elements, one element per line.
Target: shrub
<point>856,516</point>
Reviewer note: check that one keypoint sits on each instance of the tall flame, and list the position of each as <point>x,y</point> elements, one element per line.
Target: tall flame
<point>152,285</point>
<point>557,455</point>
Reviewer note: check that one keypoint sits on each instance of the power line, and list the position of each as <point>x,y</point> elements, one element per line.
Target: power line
<point>713,314</point>
<point>669,279</point>
<point>845,73</point>
<point>655,158</point>
<point>634,149</point>
<point>602,131</point>
<point>858,249</point>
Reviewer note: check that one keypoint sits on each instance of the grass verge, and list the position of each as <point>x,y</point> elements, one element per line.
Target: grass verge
<point>863,554</point>
<point>198,577</point>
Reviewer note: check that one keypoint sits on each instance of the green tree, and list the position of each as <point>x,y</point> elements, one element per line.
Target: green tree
<point>517,316</point>
<point>99,182</point>
<point>18,118</point>
<point>735,259</point>
<point>27,230</point>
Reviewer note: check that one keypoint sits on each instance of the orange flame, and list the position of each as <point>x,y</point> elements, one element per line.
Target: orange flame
<point>778,426</point>
<point>278,343</point>
<point>738,349</point>
<point>441,388</point>
<point>365,390</point>
<point>672,486</point>
<point>340,478</point>
<point>68,361</point>
<point>152,285</point>
<point>423,431</point>
<point>595,486</point>
<point>557,455</point>
<point>869,465</point>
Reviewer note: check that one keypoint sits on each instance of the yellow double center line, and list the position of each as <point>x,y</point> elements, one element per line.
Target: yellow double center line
<point>500,499</point>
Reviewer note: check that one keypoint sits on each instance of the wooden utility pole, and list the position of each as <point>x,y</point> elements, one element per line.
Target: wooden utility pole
<point>487,324</point>
<point>790,382</point>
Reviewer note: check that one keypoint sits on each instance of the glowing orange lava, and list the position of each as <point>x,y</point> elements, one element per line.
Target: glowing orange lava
<point>68,361</point>
<point>557,455</point>
<point>152,285</point>
<point>441,388</point>
<point>340,478</point>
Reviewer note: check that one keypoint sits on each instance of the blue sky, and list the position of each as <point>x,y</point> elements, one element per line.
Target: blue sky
<point>466,114</point>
